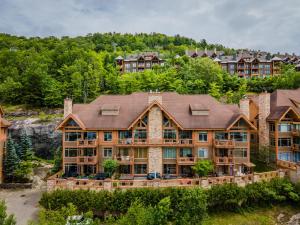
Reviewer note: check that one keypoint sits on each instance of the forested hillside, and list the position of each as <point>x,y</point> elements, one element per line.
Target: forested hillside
<point>43,71</point>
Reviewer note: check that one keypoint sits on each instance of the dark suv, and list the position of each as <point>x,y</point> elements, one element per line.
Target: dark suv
<point>151,176</point>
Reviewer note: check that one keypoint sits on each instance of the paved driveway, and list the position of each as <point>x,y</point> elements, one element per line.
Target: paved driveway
<point>23,203</point>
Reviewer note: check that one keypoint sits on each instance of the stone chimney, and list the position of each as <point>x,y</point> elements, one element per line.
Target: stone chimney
<point>245,107</point>
<point>68,105</point>
<point>264,111</point>
<point>154,96</point>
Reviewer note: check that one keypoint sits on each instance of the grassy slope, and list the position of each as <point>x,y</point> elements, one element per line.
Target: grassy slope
<point>256,217</point>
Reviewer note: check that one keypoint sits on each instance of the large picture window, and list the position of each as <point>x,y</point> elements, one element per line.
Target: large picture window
<point>140,153</point>
<point>72,136</point>
<point>107,136</point>
<point>140,168</point>
<point>240,152</point>
<point>169,153</point>
<point>203,136</point>
<point>284,142</point>
<point>238,136</point>
<point>169,134</point>
<point>186,152</point>
<point>71,152</point>
<point>203,153</point>
<point>284,127</point>
<point>169,168</point>
<point>107,152</point>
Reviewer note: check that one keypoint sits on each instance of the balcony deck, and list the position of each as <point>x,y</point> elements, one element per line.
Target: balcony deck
<point>86,143</point>
<point>88,160</point>
<point>186,160</point>
<point>228,160</point>
<point>162,142</point>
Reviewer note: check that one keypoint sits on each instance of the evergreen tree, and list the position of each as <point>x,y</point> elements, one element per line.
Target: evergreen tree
<point>11,160</point>
<point>18,150</point>
<point>26,147</point>
<point>57,160</point>
<point>4,218</point>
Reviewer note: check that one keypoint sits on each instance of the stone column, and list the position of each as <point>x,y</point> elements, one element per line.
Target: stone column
<point>264,111</point>
<point>244,107</point>
<point>155,137</point>
<point>68,105</point>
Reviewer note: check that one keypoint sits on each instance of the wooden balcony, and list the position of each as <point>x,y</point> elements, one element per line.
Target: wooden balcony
<point>296,147</point>
<point>177,141</point>
<point>296,133</point>
<point>70,159</point>
<point>87,160</point>
<point>87,143</point>
<point>133,141</point>
<point>124,160</point>
<point>186,160</point>
<point>224,144</point>
<point>227,160</point>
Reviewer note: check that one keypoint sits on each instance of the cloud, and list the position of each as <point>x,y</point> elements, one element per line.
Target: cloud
<point>271,25</point>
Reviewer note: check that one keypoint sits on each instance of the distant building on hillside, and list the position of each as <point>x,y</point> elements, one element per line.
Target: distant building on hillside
<point>248,64</point>
<point>139,62</point>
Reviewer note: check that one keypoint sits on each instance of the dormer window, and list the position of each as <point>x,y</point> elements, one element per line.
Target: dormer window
<point>110,110</point>
<point>199,110</point>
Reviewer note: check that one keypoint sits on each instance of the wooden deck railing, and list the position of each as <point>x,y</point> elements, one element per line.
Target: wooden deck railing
<point>296,132</point>
<point>88,184</point>
<point>124,159</point>
<point>87,143</point>
<point>224,160</point>
<point>163,141</point>
<point>224,143</point>
<point>87,159</point>
<point>287,164</point>
<point>186,160</point>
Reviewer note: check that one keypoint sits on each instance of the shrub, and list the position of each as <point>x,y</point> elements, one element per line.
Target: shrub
<point>110,166</point>
<point>203,167</point>
<point>4,219</point>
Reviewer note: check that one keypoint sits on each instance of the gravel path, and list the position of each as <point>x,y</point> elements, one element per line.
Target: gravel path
<point>22,203</point>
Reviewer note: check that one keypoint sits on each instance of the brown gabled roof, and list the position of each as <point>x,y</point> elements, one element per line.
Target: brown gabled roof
<point>281,101</point>
<point>177,106</point>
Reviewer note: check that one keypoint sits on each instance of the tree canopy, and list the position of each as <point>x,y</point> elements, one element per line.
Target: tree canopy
<point>43,71</point>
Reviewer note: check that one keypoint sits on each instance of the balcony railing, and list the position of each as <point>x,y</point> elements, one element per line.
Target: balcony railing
<point>296,132</point>
<point>224,160</point>
<point>296,147</point>
<point>87,143</point>
<point>224,144</point>
<point>87,159</point>
<point>164,141</point>
<point>186,160</point>
<point>124,159</point>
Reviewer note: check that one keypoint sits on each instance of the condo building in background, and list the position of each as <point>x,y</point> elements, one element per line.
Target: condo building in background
<point>4,124</point>
<point>277,117</point>
<point>247,64</point>
<point>155,132</point>
<point>139,62</point>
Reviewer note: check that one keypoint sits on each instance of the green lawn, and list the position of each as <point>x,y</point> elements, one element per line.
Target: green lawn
<point>255,217</point>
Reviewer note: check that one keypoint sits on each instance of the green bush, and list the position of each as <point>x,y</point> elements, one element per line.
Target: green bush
<point>188,206</point>
<point>203,167</point>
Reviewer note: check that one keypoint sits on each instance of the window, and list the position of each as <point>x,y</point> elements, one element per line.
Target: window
<point>238,136</point>
<point>221,136</point>
<point>148,64</point>
<point>170,134</point>
<point>203,153</point>
<point>296,127</point>
<point>203,136</point>
<point>284,142</point>
<point>169,168</point>
<point>71,152</point>
<point>186,152</point>
<point>127,65</point>
<point>125,134</point>
<point>287,156</point>
<point>140,168</point>
<point>272,141</point>
<point>123,152</point>
<point>71,123</point>
<point>284,127</point>
<point>169,153</point>
<point>90,135</point>
<point>240,152</point>
<point>272,127</point>
<point>133,64</point>
<point>71,169</point>
<point>89,152</point>
<point>107,136</point>
<point>185,134</point>
<point>107,152</point>
<point>72,136</point>
<point>140,134</point>
<point>140,153</point>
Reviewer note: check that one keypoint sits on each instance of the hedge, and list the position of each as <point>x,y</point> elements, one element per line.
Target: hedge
<point>184,201</point>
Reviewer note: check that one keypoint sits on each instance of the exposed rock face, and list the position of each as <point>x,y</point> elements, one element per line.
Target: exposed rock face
<point>45,139</point>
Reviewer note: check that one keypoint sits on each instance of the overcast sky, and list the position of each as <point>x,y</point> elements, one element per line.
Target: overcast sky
<point>272,25</point>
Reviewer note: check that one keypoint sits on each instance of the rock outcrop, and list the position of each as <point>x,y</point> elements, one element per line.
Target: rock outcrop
<point>45,139</point>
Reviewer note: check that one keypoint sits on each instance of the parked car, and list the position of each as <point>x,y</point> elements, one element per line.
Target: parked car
<point>151,176</point>
<point>101,176</point>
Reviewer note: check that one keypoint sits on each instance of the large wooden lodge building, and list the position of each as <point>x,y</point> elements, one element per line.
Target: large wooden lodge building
<point>155,132</point>
<point>4,124</point>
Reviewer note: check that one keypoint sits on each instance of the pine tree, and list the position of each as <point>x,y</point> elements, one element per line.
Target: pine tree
<point>26,147</point>
<point>57,160</point>
<point>11,160</point>
<point>18,150</point>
